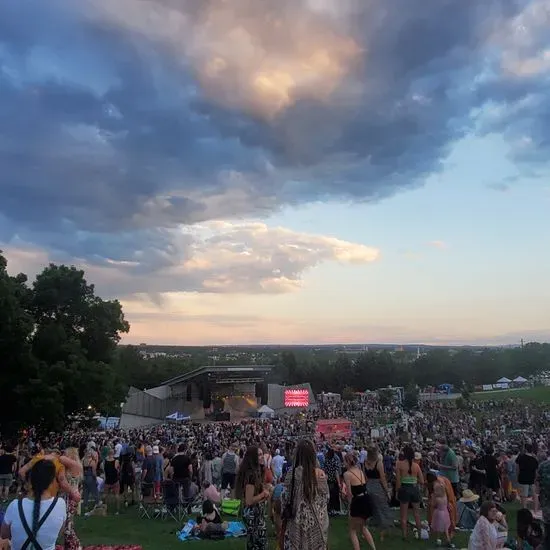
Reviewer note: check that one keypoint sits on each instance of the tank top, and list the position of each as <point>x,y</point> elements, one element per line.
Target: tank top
<point>111,474</point>
<point>409,479</point>
<point>358,490</point>
<point>372,473</point>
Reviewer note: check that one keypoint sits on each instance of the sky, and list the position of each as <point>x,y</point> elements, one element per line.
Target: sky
<point>285,171</point>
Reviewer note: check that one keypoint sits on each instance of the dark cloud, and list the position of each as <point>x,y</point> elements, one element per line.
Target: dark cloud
<point>121,120</point>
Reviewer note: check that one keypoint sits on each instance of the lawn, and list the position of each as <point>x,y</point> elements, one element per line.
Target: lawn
<point>540,394</point>
<point>161,535</point>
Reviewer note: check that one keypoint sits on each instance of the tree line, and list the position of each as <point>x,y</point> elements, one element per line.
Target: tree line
<point>60,357</point>
<point>463,368</point>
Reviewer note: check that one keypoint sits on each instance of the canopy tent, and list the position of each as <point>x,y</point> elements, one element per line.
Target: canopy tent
<point>503,380</point>
<point>178,417</point>
<point>265,412</point>
<point>520,380</point>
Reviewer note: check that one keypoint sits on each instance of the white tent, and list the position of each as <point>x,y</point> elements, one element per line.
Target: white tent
<point>178,417</point>
<point>503,380</point>
<point>520,380</point>
<point>266,412</point>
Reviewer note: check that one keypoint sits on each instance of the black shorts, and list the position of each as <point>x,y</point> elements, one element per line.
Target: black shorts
<point>228,480</point>
<point>409,494</point>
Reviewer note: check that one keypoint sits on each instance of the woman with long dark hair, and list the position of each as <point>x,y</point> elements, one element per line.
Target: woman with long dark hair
<point>409,478</point>
<point>249,489</point>
<point>304,502</point>
<point>35,521</point>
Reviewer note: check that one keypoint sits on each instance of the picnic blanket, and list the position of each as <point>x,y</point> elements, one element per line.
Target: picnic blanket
<point>234,529</point>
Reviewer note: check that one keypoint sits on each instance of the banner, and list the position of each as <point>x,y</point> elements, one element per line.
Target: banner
<point>333,429</point>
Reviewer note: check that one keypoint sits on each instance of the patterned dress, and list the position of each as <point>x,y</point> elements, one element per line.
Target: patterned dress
<point>256,530</point>
<point>72,541</point>
<point>308,528</point>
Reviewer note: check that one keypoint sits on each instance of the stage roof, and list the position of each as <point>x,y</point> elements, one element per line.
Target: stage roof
<point>252,372</point>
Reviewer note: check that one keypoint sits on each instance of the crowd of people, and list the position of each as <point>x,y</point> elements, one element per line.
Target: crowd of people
<point>461,465</point>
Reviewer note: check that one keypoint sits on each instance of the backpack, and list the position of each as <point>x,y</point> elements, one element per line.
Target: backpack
<point>229,465</point>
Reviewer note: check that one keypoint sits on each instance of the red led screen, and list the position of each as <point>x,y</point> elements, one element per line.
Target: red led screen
<point>296,398</point>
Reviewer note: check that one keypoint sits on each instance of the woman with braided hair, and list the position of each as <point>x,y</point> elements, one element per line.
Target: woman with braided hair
<point>34,522</point>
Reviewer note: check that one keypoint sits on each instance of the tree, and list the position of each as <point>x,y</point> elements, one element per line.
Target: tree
<point>58,342</point>
<point>411,398</point>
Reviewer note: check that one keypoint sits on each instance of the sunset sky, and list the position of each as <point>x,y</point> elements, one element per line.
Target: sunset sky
<point>285,171</point>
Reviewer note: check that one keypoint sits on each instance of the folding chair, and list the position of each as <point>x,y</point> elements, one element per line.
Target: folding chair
<point>170,500</point>
<point>148,505</point>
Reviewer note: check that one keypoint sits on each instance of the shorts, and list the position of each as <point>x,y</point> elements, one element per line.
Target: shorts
<point>228,480</point>
<point>113,489</point>
<point>526,491</point>
<point>126,484</point>
<point>409,494</point>
<point>6,480</point>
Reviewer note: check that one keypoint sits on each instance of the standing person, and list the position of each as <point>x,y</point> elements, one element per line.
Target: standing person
<point>182,470</point>
<point>379,491</point>
<point>432,480</point>
<point>409,479</point>
<point>35,522</point>
<point>360,504</point>
<point>543,491</point>
<point>127,478</point>
<point>158,459</point>
<point>206,472</point>
<point>249,489</point>
<point>217,471</point>
<point>71,461</point>
<point>448,464</point>
<point>527,464</point>
<point>89,466</point>
<point>332,469</point>
<point>112,480</point>
<point>304,503</point>
<point>230,465</point>
<point>441,519</point>
<point>8,463</point>
<point>277,466</point>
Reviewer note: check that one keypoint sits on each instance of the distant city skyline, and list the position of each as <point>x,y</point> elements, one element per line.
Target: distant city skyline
<point>350,172</point>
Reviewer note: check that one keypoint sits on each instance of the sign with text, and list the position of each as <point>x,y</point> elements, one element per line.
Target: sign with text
<point>297,398</point>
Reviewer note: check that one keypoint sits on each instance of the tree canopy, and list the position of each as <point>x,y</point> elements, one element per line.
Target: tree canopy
<point>464,368</point>
<point>57,348</point>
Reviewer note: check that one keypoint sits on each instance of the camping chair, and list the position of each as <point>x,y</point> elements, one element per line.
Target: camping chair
<point>148,505</point>
<point>170,500</point>
<point>185,501</point>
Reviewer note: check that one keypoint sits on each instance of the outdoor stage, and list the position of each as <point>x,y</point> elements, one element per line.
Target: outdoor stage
<point>212,392</point>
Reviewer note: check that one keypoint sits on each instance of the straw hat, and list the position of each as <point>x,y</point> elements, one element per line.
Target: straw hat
<point>469,496</point>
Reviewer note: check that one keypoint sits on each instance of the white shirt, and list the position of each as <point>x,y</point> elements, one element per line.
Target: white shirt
<point>277,462</point>
<point>118,450</point>
<point>47,534</point>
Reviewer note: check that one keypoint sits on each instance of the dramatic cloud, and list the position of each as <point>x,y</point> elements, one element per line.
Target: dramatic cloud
<point>217,257</point>
<point>121,121</point>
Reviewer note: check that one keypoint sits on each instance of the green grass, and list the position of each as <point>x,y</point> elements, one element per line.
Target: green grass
<point>540,394</point>
<point>161,535</point>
